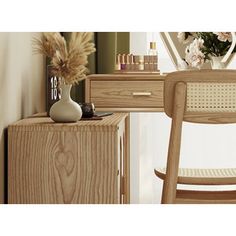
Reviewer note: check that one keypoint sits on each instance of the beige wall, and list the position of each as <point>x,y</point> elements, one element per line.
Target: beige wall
<point>22,86</point>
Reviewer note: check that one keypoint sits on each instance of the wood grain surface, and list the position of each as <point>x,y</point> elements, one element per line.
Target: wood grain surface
<point>65,163</point>
<point>203,108</point>
<point>170,183</point>
<point>121,92</point>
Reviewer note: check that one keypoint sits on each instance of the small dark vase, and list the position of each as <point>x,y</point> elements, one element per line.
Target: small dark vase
<point>88,110</point>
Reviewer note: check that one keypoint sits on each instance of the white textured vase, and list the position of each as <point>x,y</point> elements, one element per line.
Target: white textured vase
<point>65,110</point>
<point>216,63</point>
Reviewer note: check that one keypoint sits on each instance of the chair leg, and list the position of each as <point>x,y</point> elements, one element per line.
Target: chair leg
<point>168,193</point>
<point>169,188</point>
<point>170,181</point>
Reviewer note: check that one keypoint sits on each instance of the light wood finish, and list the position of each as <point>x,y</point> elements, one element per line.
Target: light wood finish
<point>130,109</point>
<point>170,183</point>
<point>202,176</point>
<point>68,163</point>
<point>125,92</point>
<point>177,106</point>
<point>203,201</point>
<point>126,146</point>
<point>205,197</point>
<point>213,77</point>
<point>210,118</point>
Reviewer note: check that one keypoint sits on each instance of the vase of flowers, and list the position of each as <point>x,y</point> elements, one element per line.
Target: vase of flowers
<point>216,62</point>
<point>202,47</point>
<point>68,62</point>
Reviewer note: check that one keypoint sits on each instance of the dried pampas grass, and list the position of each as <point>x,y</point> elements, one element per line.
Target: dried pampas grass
<point>68,61</point>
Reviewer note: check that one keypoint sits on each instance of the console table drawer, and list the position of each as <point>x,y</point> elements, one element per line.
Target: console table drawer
<point>127,93</point>
<point>111,92</point>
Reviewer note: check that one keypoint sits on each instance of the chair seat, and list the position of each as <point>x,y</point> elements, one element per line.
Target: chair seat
<point>202,176</point>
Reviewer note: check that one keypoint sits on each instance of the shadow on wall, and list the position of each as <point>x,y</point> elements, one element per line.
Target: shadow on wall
<point>3,75</point>
<point>3,131</point>
<point>26,103</point>
<point>22,90</point>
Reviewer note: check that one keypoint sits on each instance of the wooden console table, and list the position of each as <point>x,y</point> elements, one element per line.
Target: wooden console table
<point>129,92</point>
<point>125,92</point>
<point>83,162</point>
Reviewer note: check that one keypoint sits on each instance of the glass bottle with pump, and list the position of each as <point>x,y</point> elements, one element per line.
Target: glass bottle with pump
<point>153,55</point>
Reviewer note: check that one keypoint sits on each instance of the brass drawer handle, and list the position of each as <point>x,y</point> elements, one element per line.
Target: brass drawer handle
<point>141,93</point>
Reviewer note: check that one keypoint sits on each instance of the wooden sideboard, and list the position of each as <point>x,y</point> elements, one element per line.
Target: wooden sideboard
<point>83,162</point>
<point>125,92</point>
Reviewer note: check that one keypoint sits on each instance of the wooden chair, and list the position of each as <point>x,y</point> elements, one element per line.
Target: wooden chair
<point>204,96</point>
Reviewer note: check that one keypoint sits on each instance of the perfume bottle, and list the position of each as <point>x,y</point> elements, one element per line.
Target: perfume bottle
<point>152,49</point>
<point>153,55</point>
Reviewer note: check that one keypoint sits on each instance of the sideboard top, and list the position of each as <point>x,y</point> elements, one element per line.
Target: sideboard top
<point>43,123</point>
<point>125,76</point>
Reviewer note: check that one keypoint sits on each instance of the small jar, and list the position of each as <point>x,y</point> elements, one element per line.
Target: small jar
<point>118,64</point>
<point>123,65</point>
<point>141,62</point>
<point>88,110</point>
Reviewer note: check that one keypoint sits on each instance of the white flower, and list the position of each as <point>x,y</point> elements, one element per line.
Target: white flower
<point>224,36</point>
<point>195,59</point>
<point>197,44</point>
<point>194,56</point>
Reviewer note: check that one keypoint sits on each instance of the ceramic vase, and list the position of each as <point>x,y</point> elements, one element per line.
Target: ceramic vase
<point>216,63</point>
<point>65,110</point>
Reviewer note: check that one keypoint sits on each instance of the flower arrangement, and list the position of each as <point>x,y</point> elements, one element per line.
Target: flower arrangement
<point>68,60</point>
<point>202,46</point>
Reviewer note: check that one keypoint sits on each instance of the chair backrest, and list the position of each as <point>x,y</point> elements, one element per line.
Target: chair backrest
<point>210,95</point>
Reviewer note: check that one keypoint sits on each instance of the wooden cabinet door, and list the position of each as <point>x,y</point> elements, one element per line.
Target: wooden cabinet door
<point>81,162</point>
<point>62,167</point>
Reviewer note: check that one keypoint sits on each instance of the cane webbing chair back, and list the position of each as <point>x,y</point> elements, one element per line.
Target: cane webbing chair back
<point>210,95</point>
<point>204,96</point>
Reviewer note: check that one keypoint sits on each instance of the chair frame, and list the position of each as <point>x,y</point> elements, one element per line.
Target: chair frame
<point>175,93</point>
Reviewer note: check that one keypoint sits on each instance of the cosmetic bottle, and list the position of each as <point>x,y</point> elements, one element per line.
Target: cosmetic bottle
<point>122,64</point>
<point>146,63</point>
<point>118,64</point>
<point>136,62</point>
<point>132,65</point>
<point>153,55</point>
<point>127,66</point>
<point>152,49</point>
<point>141,62</point>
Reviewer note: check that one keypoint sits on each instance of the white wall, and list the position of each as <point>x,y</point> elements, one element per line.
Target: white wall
<point>22,86</point>
<point>143,139</point>
<point>139,45</point>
